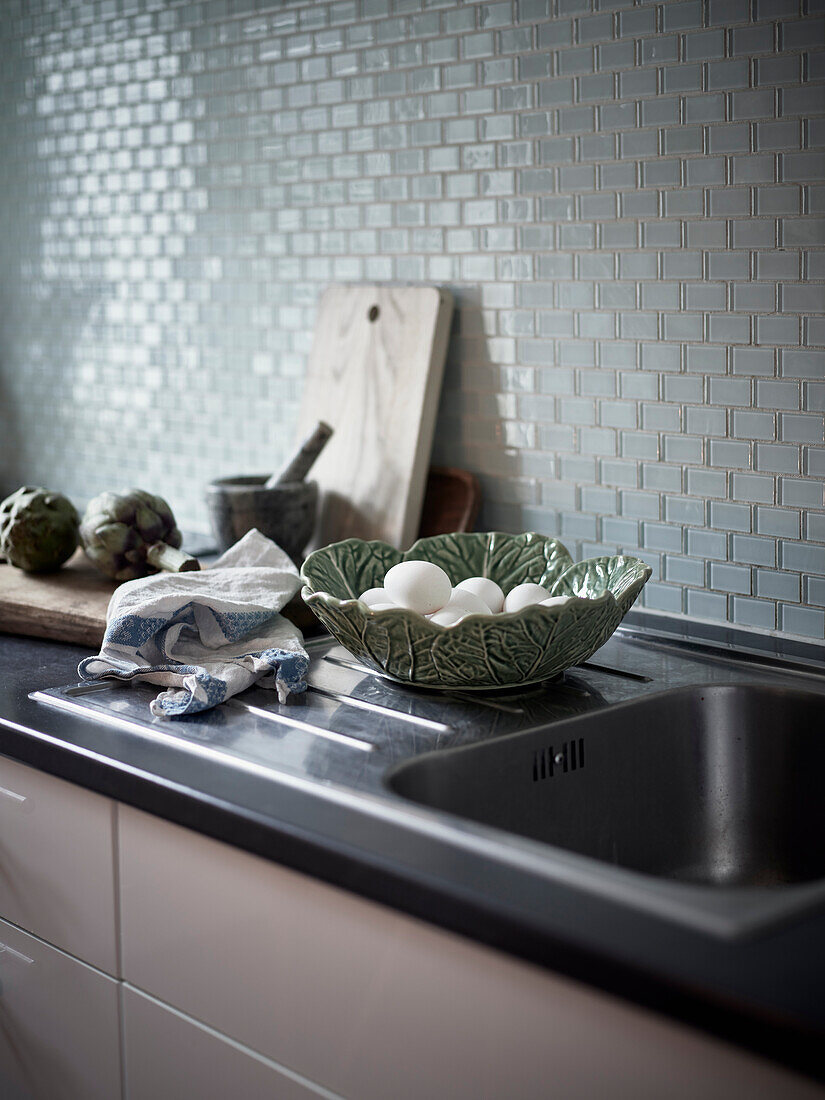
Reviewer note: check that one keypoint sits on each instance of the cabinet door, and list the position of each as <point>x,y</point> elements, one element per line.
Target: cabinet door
<point>167,1054</point>
<point>375,1005</point>
<point>59,1033</point>
<point>57,862</point>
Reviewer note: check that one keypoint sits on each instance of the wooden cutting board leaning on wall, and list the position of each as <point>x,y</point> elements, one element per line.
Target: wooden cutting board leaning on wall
<point>375,374</point>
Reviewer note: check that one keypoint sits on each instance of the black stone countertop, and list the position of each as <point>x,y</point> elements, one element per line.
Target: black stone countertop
<point>306,786</point>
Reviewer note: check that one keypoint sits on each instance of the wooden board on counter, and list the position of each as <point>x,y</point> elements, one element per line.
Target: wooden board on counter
<point>374,374</point>
<point>68,605</point>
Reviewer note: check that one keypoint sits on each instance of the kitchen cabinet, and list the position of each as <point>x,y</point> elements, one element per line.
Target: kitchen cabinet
<point>171,1055</point>
<point>235,975</point>
<point>59,1024</point>
<point>370,1003</point>
<point>57,864</point>
<point>59,1016</point>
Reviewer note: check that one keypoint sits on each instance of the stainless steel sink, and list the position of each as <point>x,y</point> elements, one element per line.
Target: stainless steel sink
<point>718,786</point>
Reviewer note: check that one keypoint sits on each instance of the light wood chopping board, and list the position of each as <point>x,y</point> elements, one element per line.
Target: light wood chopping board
<point>374,374</point>
<point>69,605</point>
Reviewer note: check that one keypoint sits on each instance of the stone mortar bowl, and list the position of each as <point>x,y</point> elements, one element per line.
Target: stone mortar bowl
<point>286,513</point>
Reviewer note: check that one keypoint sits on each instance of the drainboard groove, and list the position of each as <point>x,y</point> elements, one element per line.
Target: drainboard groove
<point>617,672</point>
<point>379,710</point>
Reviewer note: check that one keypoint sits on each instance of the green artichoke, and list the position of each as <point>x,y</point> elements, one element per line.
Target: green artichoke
<point>38,529</point>
<point>132,534</point>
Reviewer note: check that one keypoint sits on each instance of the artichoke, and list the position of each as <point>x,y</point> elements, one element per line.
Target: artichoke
<point>38,529</point>
<point>132,534</point>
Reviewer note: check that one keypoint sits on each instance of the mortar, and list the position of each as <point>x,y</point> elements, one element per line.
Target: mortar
<point>284,513</point>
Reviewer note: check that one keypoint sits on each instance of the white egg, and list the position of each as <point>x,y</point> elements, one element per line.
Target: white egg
<point>384,607</point>
<point>448,616</point>
<point>524,595</point>
<point>418,585</point>
<point>485,589</point>
<point>555,601</point>
<point>374,596</point>
<point>467,602</point>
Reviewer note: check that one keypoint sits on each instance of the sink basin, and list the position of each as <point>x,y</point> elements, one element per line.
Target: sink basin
<point>720,786</point>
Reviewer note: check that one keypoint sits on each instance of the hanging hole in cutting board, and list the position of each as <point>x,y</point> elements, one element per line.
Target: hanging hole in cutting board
<point>373,313</point>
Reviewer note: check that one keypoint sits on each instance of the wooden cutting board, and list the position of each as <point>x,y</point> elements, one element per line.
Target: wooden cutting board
<point>375,374</point>
<point>69,605</point>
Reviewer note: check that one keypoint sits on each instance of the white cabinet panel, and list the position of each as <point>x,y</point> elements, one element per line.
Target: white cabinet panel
<point>169,1057</point>
<point>374,1004</point>
<point>57,862</point>
<point>59,1033</point>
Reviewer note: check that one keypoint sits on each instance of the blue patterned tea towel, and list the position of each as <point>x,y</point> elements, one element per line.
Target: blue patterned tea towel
<point>206,636</point>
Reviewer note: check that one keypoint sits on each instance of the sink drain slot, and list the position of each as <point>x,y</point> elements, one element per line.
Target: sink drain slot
<point>568,758</point>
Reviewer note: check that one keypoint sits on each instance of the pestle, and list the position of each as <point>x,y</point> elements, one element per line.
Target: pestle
<point>283,507</point>
<point>301,462</point>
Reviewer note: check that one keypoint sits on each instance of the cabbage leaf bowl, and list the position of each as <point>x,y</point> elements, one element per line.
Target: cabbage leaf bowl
<point>480,652</point>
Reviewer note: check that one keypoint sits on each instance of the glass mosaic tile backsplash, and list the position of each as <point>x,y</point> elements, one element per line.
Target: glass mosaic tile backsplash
<point>626,200</point>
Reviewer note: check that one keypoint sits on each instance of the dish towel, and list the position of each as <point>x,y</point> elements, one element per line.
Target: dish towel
<point>206,635</point>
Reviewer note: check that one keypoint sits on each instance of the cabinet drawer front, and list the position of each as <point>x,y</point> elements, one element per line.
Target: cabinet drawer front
<point>57,862</point>
<point>373,1004</point>
<point>168,1054</point>
<point>59,1035</point>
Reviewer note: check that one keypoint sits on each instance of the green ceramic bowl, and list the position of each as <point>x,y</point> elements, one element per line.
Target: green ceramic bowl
<point>480,651</point>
